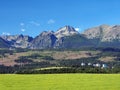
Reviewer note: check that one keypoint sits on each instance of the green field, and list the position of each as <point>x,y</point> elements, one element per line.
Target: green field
<point>60,82</point>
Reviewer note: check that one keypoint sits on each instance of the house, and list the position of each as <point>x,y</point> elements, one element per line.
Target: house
<point>82,64</point>
<point>104,66</point>
<point>96,65</point>
<point>89,64</point>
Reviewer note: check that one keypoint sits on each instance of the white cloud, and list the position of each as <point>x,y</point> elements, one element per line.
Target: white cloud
<point>77,29</point>
<point>51,21</point>
<point>34,23</point>
<point>5,33</point>
<point>23,30</point>
<point>22,24</point>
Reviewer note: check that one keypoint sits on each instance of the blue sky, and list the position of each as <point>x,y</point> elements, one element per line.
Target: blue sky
<point>31,17</point>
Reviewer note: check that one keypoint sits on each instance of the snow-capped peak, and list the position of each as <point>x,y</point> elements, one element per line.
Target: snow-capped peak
<point>65,31</point>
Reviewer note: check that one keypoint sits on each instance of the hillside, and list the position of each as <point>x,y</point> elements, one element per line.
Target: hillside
<point>18,41</point>
<point>99,60</point>
<point>3,43</point>
<point>104,35</point>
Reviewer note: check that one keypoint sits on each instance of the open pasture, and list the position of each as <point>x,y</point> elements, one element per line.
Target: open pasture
<point>60,82</point>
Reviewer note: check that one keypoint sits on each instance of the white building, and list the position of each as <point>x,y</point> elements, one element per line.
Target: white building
<point>104,66</point>
<point>89,64</point>
<point>82,64</point>
<point>96,65</point>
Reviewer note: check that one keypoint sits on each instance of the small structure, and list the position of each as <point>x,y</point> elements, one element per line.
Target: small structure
<point>89,64</point>
<point>96,65</point>
<point>82,64</point>
<point>104,66</point>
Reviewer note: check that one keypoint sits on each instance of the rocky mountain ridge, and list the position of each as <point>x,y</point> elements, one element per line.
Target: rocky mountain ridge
<point>18,41</point>
<point>45,40</point>
<point>68,37</point>
<point>105,33</point>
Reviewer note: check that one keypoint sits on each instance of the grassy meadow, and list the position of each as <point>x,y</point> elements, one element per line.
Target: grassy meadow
<point>60,82</point>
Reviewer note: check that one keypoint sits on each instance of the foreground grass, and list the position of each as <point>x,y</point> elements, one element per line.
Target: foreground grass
<point>60,82</point>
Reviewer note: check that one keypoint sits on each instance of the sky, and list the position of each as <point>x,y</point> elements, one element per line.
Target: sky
<point>31,17</point>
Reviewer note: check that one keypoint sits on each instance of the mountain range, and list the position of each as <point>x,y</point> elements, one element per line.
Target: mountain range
<point>66,37</point>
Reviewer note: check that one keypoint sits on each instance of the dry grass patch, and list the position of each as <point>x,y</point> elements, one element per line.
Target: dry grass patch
<point>9,59</point>
<point>74,55</point>
<point>107,59</point>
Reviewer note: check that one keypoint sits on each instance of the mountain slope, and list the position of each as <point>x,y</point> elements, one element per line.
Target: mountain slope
<point>52,40</point>
<point>96,32</point>
<point>62,33</point>
<point>44,40</point>
<point>74,42</point>
<point>104,35</point>
<point>18,41</point>
<point>3,43</point>
<point>112,34</point>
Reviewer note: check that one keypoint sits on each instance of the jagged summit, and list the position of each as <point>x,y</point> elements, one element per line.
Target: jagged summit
<point>21,41</point>
<point>65,31</point>
<point>46,33</point>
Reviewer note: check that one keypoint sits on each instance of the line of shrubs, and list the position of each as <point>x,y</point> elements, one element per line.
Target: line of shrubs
<point>69,70</point>
<point>25,70</point>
